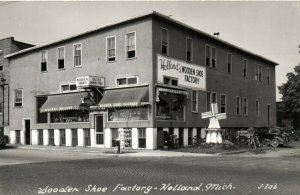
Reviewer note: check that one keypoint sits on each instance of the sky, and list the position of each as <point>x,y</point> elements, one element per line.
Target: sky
<point>270,29</point>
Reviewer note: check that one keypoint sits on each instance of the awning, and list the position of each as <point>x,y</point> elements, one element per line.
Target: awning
<point>63,102</point>
<point>169,90</point>
<point>125,97</point>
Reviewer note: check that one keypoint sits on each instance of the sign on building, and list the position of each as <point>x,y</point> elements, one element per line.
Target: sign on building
<point>188,75</point>
<point>89,81</point>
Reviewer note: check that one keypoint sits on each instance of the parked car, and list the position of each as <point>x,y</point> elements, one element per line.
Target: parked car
<point>294,136</point>
<point>273,136</point>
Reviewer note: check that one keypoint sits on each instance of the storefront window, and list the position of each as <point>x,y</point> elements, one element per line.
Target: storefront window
<point>69,116</point>
<point>132,114</point>
<point>170,106</point>
<point>114,137</point>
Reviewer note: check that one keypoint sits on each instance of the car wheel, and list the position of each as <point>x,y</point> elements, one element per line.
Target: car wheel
<point>275,143</point>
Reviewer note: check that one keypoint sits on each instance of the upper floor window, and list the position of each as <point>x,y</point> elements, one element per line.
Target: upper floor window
<point>111,48</point>
<point>194,101</point>
<point>164,41</point>
<point>223,103</point>
<point>68,87</point>
<point>229,63</point>
<point>131,45</point>
<point>61,57</point>
<point>170,81</point>
<point>238,106</point>
<point>43,61</point>
<point>245,106</point>
<point>211,97</point>
<point>77,55</point>
<point>18,98</point>
<point>211,56</point>
<point>189,48</point>
<point>268,76</point>
<point>245,64</point>
<point>123,81</point>
<point>257,107</point>
<point>258,72</point>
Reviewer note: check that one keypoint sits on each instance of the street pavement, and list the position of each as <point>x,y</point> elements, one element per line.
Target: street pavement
<point>45,171</point>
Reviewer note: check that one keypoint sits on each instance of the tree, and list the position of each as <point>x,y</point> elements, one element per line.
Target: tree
<point>291,91</point>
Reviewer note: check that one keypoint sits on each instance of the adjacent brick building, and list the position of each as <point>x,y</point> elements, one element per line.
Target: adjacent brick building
<point>7,46</point>
<point>143,76</point>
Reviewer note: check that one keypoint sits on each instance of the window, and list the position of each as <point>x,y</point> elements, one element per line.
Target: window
<point>40,137</point>
<point>62,133</point>
<point>51,137</point>
<point>87,137</point>
<point>238,106</point>
<point>229,63</point>
<point>111,48</point>
<point>43,61</point>
<point>268,76</point>
<point>260,73</point>
<point>41,117</point>
<point>1,66</point>
<point>208,101</point>
<point>269,114</point>
<point>170,107</point>
<point>245,68</point>
<point>74,137</point>
<point>223,103</point>
<point>131,45</point>
<point>211,56</point>
<point>114,137</point>
<point>69,116</point>
<point>142,137</point>
<point>68,87</point>
<point>257,107</point>
<point>77,55</point>
<point>245,106</point>
<point>18,136</point>
<point>170,81</point>
<point>189,48</point>
<point>1,108</point>
<point>164,41</point>
<point>194,101</point>
<point>61,57</point>
<point>214,97</point>
<point>18,97</point>
<point>133,80</point>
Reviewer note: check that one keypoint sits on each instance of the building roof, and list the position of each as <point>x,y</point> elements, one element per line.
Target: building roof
<point>153,13</point>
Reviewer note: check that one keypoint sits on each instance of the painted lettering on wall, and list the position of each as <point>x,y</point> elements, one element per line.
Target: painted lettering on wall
<point>188,75</point>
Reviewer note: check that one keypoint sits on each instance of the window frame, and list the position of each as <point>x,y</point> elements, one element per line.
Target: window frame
<point>260,73</point>
<point>64,57</point>
<point>210,57</point>
<point>186,49</point>
<point>227,63</point>
<point>115,48</point>
<point>15,98</point>
<point>238,106</point>
<point>208,95</point>
<point>194,101</point>
<point>245,106</point>
<point>245,68</point>
<point>170,82</point>
<point>257,108</point>
<point>161,41</point>
<point>268,75</point>
<point>140,137</point>
<point>69,84</point>
<point>126,46</point>
<point>126,77</point>
<point>46,60</point>
<point>74,45</point>
<point>225,104</point>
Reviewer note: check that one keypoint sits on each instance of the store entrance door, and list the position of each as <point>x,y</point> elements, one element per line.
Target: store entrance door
<point>99,126</point>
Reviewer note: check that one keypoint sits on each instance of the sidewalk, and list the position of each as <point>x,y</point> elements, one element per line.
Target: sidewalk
<point>109,151</point>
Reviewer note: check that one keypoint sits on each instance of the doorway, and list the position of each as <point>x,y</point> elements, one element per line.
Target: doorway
<point>99,126</point>
<point>27,131</point>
